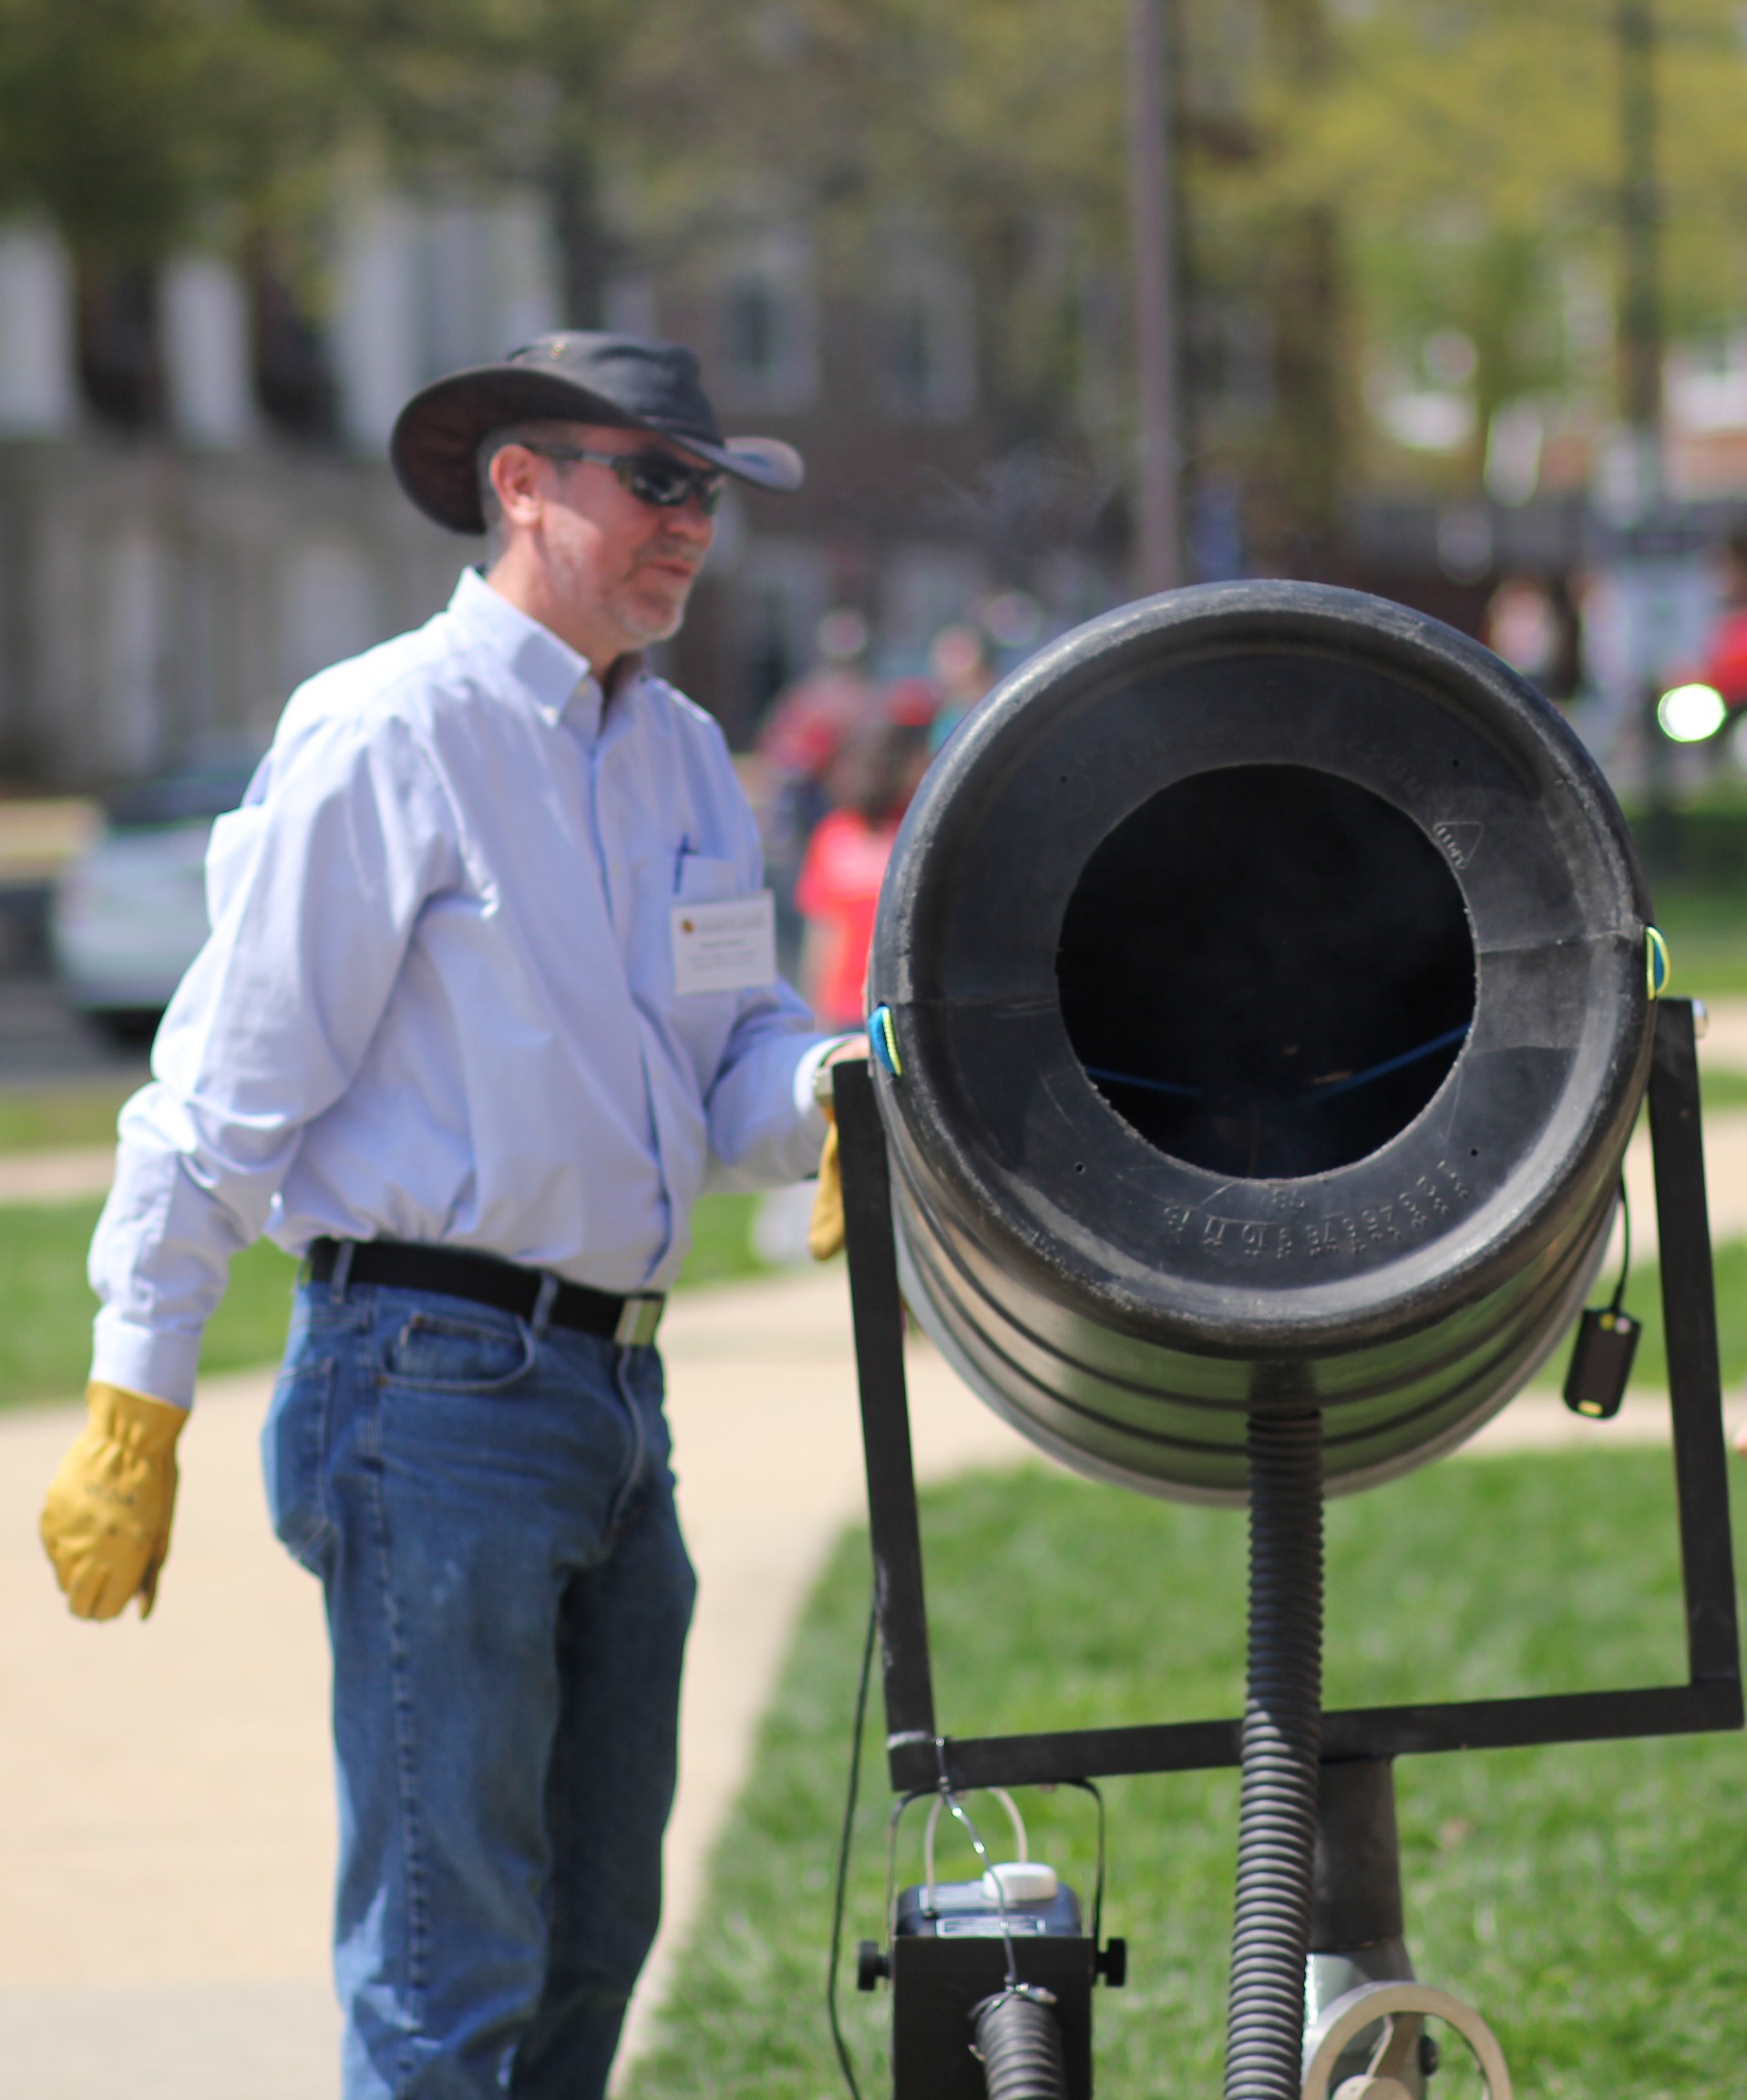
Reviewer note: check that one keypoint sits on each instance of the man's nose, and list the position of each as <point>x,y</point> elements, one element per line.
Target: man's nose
<point>693,521</point>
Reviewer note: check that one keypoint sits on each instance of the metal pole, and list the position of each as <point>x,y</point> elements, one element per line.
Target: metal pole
<point>1152,221</point>
<point>1640,212</point>
<point>1640,370</point>
<point>1690,1322</point>
<point>877,1314</point>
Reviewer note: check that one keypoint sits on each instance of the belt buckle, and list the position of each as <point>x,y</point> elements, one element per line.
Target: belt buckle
<point>639,1317</point>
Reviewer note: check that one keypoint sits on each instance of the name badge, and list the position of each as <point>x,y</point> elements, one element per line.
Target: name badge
<point>727,945</point>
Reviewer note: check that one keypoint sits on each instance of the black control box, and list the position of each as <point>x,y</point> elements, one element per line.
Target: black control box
<point>949,1953</point>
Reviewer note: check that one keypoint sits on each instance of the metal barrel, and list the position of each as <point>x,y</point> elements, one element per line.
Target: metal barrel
<point>1266,1015</point>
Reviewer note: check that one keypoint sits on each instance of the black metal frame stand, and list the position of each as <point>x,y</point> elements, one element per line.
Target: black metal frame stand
<point>1710,1699</point>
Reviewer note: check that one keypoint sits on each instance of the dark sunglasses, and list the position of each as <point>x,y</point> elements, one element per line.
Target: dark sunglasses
<point>652,478</point>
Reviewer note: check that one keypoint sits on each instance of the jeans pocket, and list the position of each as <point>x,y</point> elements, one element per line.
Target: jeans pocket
<point>644,1384</point>
<point>441,1353</point>
<point>293,1458</point>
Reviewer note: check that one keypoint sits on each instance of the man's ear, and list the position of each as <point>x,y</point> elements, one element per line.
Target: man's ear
<point>516,482</point>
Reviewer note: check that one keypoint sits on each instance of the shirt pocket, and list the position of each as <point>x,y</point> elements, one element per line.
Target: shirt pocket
<point>702,877</point>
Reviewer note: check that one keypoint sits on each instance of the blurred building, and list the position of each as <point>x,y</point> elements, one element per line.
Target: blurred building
<point>196,512</point>
<point>1553,489</point>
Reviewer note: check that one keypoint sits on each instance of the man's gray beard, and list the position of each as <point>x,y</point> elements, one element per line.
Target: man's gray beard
<point>647,635</point>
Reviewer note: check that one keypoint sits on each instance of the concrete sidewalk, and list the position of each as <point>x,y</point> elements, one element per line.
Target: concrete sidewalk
<point>165,1815</point>
<point>165,1821</point>
<point>69,1174</point>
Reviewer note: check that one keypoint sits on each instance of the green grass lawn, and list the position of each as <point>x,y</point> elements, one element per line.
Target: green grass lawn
<point>1644,1297</point>
<point>1590,1901</point>
<point>45,1118</point>
<point>1720,1091</point>
<point>46,1304</point>
<point>1707,938</point>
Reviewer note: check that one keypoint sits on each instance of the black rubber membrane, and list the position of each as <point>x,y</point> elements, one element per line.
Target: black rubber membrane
<point>1267,970</point>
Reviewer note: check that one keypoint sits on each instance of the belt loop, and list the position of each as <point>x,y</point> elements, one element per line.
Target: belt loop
<point>549,1290</point>
<point>336,1284</point>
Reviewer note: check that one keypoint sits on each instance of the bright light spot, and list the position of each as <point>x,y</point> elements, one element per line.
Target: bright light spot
<point>1691,712</point>
<point>1426,421</point>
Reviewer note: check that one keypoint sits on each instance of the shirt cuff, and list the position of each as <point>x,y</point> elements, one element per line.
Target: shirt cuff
<point>161,1366</point>
<point>807,1070</point>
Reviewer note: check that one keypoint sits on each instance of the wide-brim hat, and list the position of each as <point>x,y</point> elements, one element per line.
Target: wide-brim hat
<point>575,377</point>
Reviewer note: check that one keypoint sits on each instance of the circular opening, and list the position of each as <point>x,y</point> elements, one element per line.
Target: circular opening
<point>1266,971</point>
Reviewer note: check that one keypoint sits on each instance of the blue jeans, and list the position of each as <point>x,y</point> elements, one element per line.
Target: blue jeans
<point>490,1511</point>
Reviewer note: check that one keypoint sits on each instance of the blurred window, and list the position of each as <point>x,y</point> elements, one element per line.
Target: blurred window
<point>1231,356</point>
<point>929,349</point>
<point>293,376</point>
<point>121,365</point>
<point>766,329</point>
<point>755,328</point>
<point>486,277</point>
<point>781,591</point>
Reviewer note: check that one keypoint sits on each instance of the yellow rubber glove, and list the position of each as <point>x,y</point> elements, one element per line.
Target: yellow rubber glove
<point>106,1520</point>
<point>824,1231</point>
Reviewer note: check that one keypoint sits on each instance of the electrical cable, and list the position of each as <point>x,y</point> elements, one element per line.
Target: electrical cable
<point>838,2039</point>
<point>1326,1089</point>
<point>1111,1078</point>
<point>1315,1091</point>
<point>1626,1249</point>
<point>947,1795</point>
<point>1018,2034</point>
<point>1089,1786</point>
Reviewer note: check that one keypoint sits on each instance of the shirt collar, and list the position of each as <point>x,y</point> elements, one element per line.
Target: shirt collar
<point>555,674</point>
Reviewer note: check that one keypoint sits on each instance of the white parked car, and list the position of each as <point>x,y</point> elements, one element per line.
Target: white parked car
<point>129,915</point>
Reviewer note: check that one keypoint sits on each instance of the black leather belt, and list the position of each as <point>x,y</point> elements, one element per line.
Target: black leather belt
<point>405,1265</point>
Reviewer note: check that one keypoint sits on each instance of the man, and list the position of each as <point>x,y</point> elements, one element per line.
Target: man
<point>490,988</point>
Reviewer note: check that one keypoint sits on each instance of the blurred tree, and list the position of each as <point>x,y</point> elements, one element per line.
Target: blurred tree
<point>137,124</point>
<point>662,129</point>
<point>1361,179</point>
<point>523,90</point>
<point>1474,150</point>
<point>997,126</point>
<point>104,122</point>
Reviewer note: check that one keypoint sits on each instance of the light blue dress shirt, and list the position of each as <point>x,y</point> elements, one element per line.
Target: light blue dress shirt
<point>437,1001</point>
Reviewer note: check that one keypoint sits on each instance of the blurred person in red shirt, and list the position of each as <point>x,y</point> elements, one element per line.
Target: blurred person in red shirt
<point>815,717</point>
<point>1725,659</point>
<point>875,775</point>
<point>1722,668</point>
<point>802,738</point>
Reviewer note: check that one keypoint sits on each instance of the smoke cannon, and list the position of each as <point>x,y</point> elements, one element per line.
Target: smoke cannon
<point>1267,965</point>
<point>1264,997</point>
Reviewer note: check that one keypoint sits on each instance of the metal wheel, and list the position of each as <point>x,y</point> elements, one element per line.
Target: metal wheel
<point>1352,2014</point>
